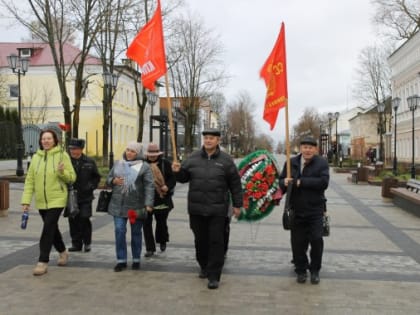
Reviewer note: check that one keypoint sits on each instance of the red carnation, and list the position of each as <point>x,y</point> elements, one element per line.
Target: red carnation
<point>132,216</point>
<point>64,127</point>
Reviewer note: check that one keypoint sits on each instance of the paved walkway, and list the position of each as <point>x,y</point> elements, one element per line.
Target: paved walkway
<point>371,266</point>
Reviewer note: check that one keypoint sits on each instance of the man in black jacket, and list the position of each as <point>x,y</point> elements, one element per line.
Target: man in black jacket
<point>87,181</point>
<point>212,174</point>
<point>310,178</point>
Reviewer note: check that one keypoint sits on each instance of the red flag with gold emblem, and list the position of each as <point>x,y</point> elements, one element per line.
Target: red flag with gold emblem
<point>148,50</point>
<point>274,73</point>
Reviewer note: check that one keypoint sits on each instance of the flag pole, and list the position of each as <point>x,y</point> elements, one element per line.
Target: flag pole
<point>171,121</point>
<point>286,111</point>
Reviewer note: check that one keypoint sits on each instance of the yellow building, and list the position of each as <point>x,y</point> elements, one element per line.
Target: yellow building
<point>41,99</point>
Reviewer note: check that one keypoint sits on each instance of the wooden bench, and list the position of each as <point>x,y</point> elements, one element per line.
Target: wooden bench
<point>408,198</point>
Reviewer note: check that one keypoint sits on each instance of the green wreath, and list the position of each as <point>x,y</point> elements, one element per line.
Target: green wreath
<point>260,184</point>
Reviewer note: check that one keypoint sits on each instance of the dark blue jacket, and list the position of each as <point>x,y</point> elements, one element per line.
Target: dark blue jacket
<point>308,199</point>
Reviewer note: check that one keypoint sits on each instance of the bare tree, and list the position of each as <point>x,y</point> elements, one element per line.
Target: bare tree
<point>196,70</point>
<point>264,142</point>
<point>241,123</point>
<point>373,84</point>
<point>401,18</point>
<point>308,125</point>
<point>35,106</point>
<point>53,25</point>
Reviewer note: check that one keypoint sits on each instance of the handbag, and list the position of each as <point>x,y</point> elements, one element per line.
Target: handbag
<point>103,201</point>
<point>72,208</point>
<point>141,214</point>
<point>288,215</point>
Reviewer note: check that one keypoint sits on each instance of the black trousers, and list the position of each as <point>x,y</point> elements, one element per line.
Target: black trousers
<point>51,235</point>
<point>209,234</point>
<point>161,230</point>
<point>305,232</point>
<point>227,233</point>
<point>81,227</point>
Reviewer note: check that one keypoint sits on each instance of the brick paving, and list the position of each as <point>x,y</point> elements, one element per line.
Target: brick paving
<point>371,266</point>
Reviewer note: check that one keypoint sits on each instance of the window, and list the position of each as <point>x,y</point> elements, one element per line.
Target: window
<point>13,91</point>
<point>25,52</point>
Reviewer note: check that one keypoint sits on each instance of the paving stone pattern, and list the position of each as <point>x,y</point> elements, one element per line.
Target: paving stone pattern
<point>371,265</point>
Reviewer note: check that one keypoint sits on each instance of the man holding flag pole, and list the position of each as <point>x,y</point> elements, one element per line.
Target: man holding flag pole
<point>305,177</point>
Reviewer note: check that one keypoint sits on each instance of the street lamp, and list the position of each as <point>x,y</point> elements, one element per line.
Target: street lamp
<point>330,117</point>
<point>395,103</point>
<point>412,104</point>
<point>336,115</point>
<point>381,109</point>
<point>111,82</point>
<point>152,99</point>
<point>20,67</point>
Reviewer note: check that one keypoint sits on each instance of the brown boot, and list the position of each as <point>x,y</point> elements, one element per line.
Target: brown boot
<point>63,258</point>
<point>40,269</point>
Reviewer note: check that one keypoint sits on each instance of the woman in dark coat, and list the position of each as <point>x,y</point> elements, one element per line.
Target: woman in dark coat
<point>165,182</point>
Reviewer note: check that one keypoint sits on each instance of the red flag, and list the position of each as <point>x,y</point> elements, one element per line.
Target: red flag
<point>274,73</point>
<point>148,50</point>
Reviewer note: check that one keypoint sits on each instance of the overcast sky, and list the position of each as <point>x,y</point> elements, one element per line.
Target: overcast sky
<point>323,41</point>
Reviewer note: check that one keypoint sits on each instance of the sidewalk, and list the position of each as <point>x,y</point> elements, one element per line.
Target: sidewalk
<point>371,266</point>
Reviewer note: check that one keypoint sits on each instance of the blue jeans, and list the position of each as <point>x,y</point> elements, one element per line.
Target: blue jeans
<point>120,226</point>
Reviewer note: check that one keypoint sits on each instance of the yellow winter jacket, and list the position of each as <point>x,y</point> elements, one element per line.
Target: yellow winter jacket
<point>46,182</point>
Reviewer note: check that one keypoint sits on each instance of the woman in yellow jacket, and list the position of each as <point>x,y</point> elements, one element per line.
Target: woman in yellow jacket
<point>49,173</point>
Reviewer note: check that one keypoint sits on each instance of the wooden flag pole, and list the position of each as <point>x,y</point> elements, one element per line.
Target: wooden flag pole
<point>171,121</point>
<point>288,167</point>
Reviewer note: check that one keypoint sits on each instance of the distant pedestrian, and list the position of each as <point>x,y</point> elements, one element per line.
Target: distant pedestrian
<point>49,173</point>
<point>87,181</point>
<point>212,175</point>
<point>165,182</point>
<point>310,178</point>
<point>131,180</point>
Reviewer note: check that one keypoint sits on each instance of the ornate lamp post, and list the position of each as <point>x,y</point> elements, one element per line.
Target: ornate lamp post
<point>111,83</point>
<point>381,109</point>
<point>20,67</point>
<point>395,103</point>
<point>152,99</point>
<point>336,115</point>
<point>330,117</point>
<point>412,104</point>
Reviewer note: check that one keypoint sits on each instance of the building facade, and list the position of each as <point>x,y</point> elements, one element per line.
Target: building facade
<point>405,82</point>
<point>41,99</point>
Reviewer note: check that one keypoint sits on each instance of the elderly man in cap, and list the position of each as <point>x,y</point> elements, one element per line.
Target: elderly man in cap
<point>310,178</point>
<point>87,181</point>
<point>212,177</point>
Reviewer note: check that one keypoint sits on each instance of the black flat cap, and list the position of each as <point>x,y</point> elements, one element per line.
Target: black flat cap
<point>308,140</point>
<point>211,132</point>
<point>76,143</point>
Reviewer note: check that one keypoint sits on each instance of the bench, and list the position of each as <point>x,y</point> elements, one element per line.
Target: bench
<point>408,198</point>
